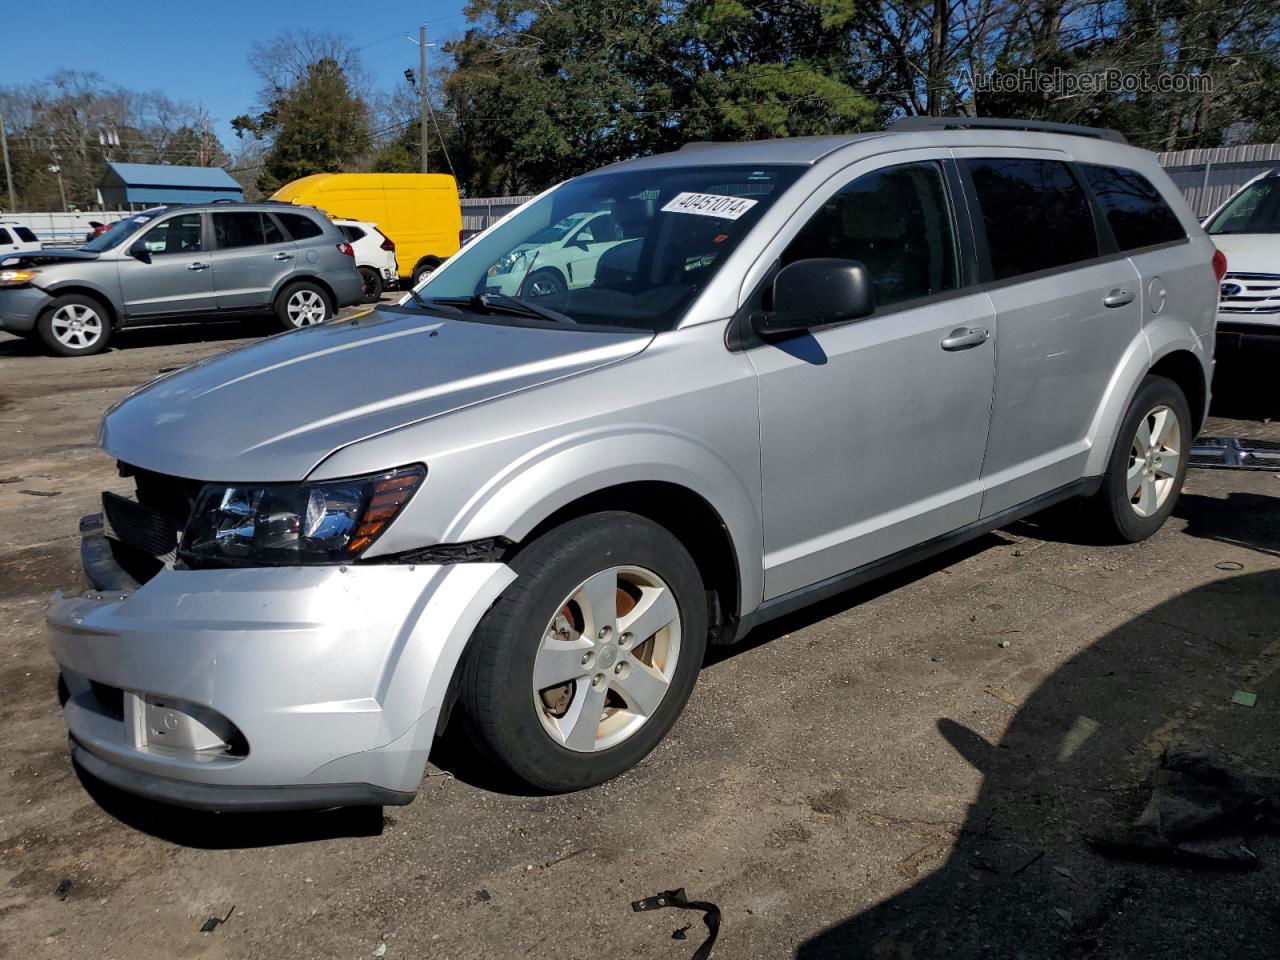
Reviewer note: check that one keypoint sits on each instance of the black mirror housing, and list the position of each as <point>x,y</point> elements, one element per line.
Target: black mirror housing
<point>815,292</point>
<point>140,252</point>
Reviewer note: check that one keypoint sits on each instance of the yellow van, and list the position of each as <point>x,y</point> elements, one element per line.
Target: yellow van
<point>418,211</point>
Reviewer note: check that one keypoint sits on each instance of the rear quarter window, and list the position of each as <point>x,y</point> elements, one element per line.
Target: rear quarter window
<point>351,233</point>
<point>1135,210</point>
<point>300,226</point>
<point>1036,215</point>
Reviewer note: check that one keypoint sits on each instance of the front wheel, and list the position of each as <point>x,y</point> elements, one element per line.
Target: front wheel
<point>74,325</point>
<point>585,662</point>
<point>1148,463</point>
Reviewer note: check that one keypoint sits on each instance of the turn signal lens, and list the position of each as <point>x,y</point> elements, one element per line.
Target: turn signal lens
<point>16,278</point>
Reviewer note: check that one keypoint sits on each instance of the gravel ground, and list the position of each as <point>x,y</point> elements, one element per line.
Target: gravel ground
<point>898,773</point>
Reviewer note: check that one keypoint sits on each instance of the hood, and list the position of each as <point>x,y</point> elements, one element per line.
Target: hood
<point>1249,252</point>
<point>274,409</point>
<point>40,258</point>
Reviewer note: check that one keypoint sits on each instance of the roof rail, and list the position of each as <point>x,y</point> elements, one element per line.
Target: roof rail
<point>917,123</point>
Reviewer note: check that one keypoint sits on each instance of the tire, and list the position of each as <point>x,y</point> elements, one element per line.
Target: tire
<point>534,735</point>
<point>422,271</point>
<point>303,304</point>
<point>370,285</point>
<point>544,283</point>
<point>75,325</point>
<point>1132,504</point>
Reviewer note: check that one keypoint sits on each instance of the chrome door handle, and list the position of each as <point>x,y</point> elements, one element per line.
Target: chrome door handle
<point>197,266</point>
<point>1118,298</point>
<point>283,256</point>
<point>962,338</point>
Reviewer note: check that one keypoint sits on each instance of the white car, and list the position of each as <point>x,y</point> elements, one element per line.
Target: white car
<point>375,256</point>
<point>16,237</point>
<point>1247,230</point>
<point>557,258</point>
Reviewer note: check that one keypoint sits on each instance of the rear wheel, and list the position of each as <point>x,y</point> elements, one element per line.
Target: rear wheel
<point>1148,464</point>
<point>585,662</point>
<point>303,304</point>
<point>422,271</point>
<point>75,325</point>
<point>370,285</point>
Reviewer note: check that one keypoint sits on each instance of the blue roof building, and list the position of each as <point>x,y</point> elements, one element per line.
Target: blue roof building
<point>128,185</point>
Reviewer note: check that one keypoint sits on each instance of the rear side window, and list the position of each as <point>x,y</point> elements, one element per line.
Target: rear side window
<point>1035,213</point>
<point>1138,215</point>
<point>239,229</point>
<point>897,222</point>
<point>300,226</point>
<point>26,235</point>
<point>4,236</point>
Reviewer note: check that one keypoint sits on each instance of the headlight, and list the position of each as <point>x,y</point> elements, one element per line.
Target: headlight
<point>287,524</point>
<point>505,264</point>
<point>16,278</point>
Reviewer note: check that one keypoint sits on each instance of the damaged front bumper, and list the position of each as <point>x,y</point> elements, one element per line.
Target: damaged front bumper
<point>269,687</point>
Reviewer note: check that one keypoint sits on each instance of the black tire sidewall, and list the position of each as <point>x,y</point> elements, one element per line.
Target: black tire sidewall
<point>44,326</point>
<point>421,271</point>
<point>497,694</point>
<point>370,272</point>
<point>547,273</point>
<point>282,303</point>
<point>1123,522</point>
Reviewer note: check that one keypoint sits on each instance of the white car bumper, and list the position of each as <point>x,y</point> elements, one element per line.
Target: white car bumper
<point>271,687</point>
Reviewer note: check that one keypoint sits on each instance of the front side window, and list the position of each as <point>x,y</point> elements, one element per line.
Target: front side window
<point>1255,209</point>
<point>656,239</point>
<point>26,235</point>
<point>4,236</point>
<point>1137,214</point>
<point>896,222</point>
<point>1035,213</point>
<point>180,234</point>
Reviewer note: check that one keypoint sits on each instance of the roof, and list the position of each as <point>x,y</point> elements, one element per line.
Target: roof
<point>805,150</point>
<point>169,175</point>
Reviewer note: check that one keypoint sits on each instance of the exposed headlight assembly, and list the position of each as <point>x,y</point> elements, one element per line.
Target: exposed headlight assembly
<point>17,278</point>
<point>290,524</point>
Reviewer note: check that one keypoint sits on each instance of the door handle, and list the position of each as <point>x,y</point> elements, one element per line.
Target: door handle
<point>283,256</point>
<point>197,266</point>
<point>962,338</point>
<point>1118,298</point>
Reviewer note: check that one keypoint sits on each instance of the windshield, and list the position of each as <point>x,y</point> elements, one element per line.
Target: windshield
<point>1255,209</point>
<point>119,232</point>
<point>628,249</point>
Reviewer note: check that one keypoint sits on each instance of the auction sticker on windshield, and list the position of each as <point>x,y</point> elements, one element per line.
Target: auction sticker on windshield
<point>709,205</point>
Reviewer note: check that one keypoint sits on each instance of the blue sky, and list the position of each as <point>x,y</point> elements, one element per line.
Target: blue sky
<point>198,51</point>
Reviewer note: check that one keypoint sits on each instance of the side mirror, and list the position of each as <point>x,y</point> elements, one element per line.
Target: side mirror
<point>811,293</point>
<point>140,252</point>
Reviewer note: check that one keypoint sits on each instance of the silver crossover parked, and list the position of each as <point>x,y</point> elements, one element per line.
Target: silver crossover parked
<point>796,365</point>
<point>180,263</point>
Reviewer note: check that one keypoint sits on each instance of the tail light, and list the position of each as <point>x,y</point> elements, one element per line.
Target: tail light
<point>461,234</point>
<point>344,248</point>
<point>387,243</point>
<point>1219,264</point>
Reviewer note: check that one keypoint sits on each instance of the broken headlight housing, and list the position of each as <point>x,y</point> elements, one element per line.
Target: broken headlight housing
<point>290,524</point>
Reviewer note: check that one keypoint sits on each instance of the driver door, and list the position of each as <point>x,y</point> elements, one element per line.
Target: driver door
<point>873,430</point>
<point>587,245</point>
<point>168,269</point>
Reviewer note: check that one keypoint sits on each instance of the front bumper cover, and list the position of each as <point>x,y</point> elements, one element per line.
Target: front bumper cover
<point>286,687</point>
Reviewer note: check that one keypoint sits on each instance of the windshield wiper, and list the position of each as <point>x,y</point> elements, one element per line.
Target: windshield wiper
<point>500,302</point>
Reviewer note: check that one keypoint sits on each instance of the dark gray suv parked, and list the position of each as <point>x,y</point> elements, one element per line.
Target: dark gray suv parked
<point>180,263</point>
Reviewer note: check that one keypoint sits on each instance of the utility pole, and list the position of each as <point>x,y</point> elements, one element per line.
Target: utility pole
<point>423,104</point>
<point>57,168</point>
<point>8,172</point>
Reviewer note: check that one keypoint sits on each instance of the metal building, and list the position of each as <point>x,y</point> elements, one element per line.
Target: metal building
<point>134,186</point>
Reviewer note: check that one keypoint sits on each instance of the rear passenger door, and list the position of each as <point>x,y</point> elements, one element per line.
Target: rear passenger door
<point>1067,310</point>
<point>255,255</point>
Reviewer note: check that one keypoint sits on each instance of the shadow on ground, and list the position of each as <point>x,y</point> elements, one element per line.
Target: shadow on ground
<point>1075,760</point>
<point>169,335</point>
<point>1244,382</point>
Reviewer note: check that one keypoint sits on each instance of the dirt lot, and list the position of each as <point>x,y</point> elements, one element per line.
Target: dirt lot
<point>897,774</point>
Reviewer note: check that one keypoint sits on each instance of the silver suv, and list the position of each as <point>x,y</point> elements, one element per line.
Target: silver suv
<point>798,365</point>
<point>180,263</point>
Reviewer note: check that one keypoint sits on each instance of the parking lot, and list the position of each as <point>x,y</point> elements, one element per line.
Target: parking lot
<point>896,773</point>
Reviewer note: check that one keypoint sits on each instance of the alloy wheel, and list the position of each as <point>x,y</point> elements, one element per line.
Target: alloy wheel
<point>76,326</point>
<point>1154,461</point>
<point>305,308</point>
<point>607,658</point>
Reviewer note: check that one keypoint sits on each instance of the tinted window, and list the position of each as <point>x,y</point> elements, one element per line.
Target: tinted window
<point>26,235</point>
<point>239,229</point>
<point>351,233</point>
<point>300,227</point>
<point>1036,214</point>
<point>1255,209</point>
<point>271,230</point>
<point>180,234</point>
<point>4,236</point>
<point>897,221</point>
<point>1137,213</point>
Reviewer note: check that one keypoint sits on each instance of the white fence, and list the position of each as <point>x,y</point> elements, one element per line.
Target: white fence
<point>64,229</point>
